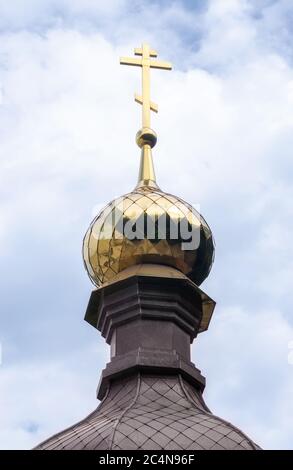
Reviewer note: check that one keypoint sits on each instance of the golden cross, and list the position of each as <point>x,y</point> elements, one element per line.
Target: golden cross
<point>146,63</point>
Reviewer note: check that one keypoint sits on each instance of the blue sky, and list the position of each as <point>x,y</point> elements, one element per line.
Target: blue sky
<point>67,127</point>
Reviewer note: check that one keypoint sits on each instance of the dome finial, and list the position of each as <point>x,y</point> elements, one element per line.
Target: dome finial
<point>146,138</point>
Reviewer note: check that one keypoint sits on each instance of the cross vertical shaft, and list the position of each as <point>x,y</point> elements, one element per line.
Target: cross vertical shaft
<point>146,85</point>
<point>146,63</point>
<point>146,138</point>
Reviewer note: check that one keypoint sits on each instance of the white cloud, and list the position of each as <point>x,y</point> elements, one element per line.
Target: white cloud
<point>34,14</point>
<point>246,358</point>
<point>41,398</point>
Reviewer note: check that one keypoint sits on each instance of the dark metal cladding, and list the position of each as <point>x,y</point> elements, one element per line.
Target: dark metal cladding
<point>150,391</point>
<point>151,412</point>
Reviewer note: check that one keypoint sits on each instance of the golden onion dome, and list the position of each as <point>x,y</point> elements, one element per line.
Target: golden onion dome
<point>147,225</point>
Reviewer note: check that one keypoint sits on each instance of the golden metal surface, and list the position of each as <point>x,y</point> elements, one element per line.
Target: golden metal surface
<point>146,138</point>
<point>108,251</point>
<point>146,176</point>
<point>146,64</point>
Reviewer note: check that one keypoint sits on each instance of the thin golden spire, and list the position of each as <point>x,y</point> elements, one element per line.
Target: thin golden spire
<point>146,138</point>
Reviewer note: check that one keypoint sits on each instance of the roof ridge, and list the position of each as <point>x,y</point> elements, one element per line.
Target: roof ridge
<point>189,397</point>
<point>118,420</point>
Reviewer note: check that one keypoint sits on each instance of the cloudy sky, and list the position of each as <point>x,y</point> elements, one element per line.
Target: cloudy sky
<point>67,127</point>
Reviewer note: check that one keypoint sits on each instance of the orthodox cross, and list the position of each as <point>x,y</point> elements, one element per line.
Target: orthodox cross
<point>146,63</point>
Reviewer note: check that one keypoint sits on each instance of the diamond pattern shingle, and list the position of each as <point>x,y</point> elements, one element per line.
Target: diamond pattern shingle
<point>151,412</point>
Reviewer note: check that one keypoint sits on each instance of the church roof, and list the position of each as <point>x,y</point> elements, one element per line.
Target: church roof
<point>151,412</point>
